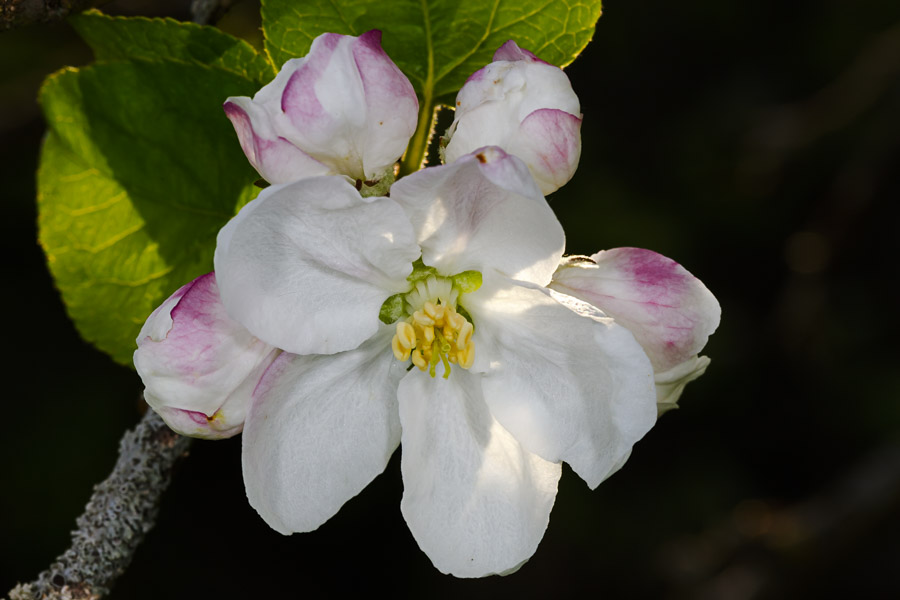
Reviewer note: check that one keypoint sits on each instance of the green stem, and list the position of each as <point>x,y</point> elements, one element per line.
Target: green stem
<point>418,146</point>
<point>417,150</point>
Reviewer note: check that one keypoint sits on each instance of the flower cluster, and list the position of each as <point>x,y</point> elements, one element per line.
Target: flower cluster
<point>443,316</point>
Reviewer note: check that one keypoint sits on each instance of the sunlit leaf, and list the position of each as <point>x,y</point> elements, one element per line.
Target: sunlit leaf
<point>140,168</point>
<point>437,43</point>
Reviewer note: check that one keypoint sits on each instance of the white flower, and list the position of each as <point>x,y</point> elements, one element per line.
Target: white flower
<point>343,109</point>
<point>512,378</point>
<point>527,107</point>
<point>669,311</point>
<point>198,366</point>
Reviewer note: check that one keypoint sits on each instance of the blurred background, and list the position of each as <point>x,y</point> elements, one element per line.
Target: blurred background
<point>758,144</point>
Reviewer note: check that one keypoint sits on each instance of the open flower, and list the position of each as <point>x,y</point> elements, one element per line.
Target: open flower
<point>527,107</point>
<point>423,318</point>
<point>343,109</point>
<point>198,366</point>
<point>669,311</point>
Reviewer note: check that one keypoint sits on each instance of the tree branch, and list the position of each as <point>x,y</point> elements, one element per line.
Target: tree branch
<point>121,511</point>
<point>16,13</point>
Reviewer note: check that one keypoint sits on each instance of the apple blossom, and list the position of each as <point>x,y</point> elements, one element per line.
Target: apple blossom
<point>373,298</point>
<point>343,109</point>
<point>669,311</point>
<point>527,107</point>
<point>198,366</point>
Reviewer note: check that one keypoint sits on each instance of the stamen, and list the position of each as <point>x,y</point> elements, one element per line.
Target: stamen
<point>435,332</point>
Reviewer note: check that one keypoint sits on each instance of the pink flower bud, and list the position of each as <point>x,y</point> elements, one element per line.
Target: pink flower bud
<point>199,367</point>
<point>343,109</point>
<point>527,107</point>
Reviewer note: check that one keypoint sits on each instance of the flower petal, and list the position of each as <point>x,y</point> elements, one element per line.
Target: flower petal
<point>567,383</point>
<point>670,384</point>
<point>511,51</point>
<point>552,161</point>
<point>475,500</point>
<point>669,311</point>
<point>319,430</point>
<point>503,105</point>
<point>343,109</point>
<point>391,104</point>
<point>198,365</point>
<point>482,212</point>
<point>276,159</point>
<point>307,266</point>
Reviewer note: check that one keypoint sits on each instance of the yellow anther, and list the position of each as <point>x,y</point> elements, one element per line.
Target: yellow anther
<point>419,360</point>
<point>400,353</point>
<point>456,320</point>
<point>422,320</point>
<point>406,335</point>
<point>435,311</point>
<point>449,333</point>
<point>467,356</point>
<point>465,335</point>
<point>435,333</point>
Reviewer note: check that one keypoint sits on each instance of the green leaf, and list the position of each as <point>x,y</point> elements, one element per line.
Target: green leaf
<point>139,171</point>
<point>437,43</point>
<point>128,38</point>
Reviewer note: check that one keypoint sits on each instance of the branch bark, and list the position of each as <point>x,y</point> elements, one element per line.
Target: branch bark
<point>16,13</point>
<point>121,511</point>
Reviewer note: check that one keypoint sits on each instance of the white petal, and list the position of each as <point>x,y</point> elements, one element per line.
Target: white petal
<point>307,266</point>
<point>226,421</point>
<point>343,109</point>
<point>319,430</point>
<point>568,386</point>
<point>276,159</point>
<point>669,311</point>
<point>475,500</point>
<point>670,384</point>
<point>197,363</point>
<point>391,105</point>
<point>325,102</point>
<point>483,212</point>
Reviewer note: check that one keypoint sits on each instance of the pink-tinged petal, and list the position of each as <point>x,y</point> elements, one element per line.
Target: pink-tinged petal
<point>325,102</point>
<point>568,383</point>
<point>345,107</point>
<point>199,366</point>
<point>391,104</point>
<point>477,75</point>
<point>307,266</point>
<point>482,212</point>
<point>511,51</point>
<point>554,160</point>
<point>275,159</point>
<point>475,500</point>
<point>669,311</point>
<point>670,384</point>
<point>495,108</point>
<point>319,430</point>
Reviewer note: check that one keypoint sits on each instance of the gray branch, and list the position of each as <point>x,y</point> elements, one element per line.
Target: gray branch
<point>16,13</point>
<point>121,511</point>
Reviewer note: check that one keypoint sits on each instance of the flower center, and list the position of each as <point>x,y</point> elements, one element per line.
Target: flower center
<point>434,328</point>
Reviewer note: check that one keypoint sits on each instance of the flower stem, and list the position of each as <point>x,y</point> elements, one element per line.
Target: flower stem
<point>417,150</point>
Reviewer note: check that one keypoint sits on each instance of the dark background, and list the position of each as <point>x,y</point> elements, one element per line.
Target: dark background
<point>758,144</point>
